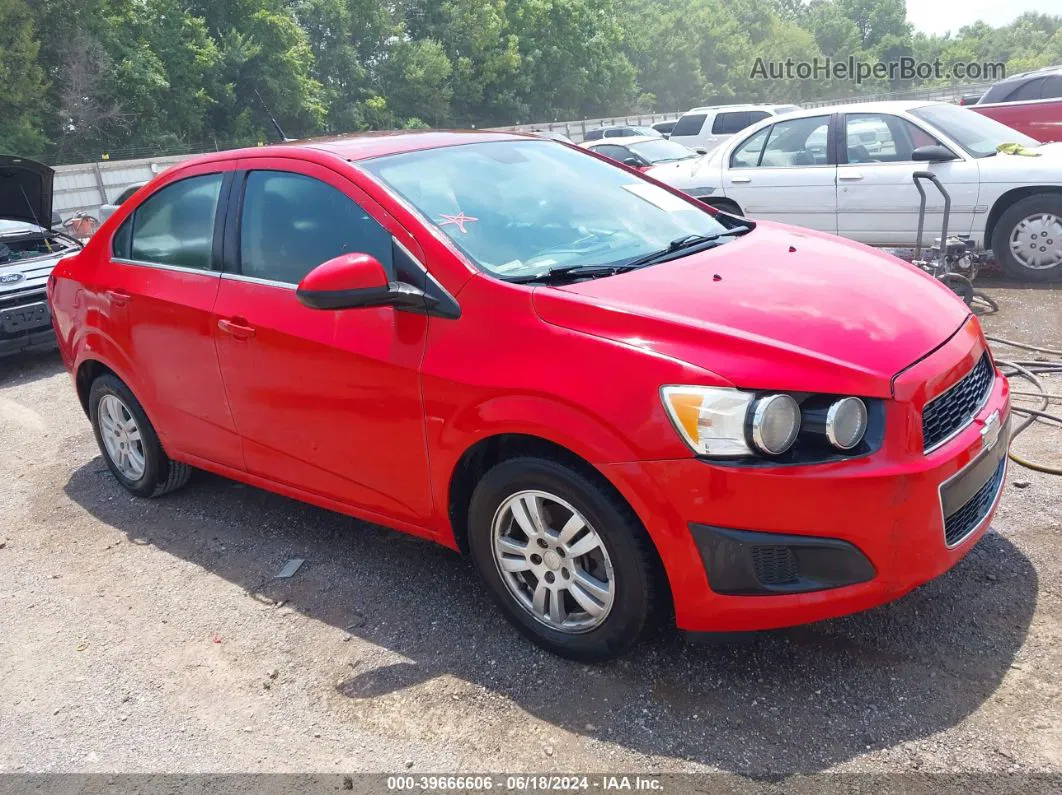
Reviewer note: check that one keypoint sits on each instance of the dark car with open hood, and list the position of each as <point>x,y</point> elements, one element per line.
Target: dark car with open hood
<point>29,249</point>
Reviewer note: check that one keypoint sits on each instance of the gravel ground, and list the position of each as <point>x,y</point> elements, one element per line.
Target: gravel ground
<point>151,636</point>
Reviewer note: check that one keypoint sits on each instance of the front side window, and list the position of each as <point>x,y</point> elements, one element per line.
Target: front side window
<point>520,208</point>
<point>882,138</point>
<point>618,153</point>
<point>292,223</point>
<point>174,226</point>
<point>1027,91</point>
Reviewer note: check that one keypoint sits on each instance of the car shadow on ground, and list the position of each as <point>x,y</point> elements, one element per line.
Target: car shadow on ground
<point>23,368</point>
<point>768,704</point>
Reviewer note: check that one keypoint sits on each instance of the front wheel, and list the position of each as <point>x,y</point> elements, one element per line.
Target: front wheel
<point>567,560</point>
<point>1027,239</point>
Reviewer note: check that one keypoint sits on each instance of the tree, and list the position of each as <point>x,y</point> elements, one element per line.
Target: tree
<point>22,82</point>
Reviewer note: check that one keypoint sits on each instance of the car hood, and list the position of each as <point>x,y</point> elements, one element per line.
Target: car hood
<point>1045,167</point>
<point>779,308</point>
<point>682,173</point>
<point>25,191</point>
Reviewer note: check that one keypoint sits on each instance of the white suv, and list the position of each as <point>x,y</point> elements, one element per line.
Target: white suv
<point>706,128</point>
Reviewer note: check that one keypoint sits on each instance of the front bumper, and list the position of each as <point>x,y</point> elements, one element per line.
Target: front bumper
<point>887,508</point>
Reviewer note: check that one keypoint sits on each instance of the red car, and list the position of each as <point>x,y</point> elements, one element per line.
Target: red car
<point>1030,103</point>
<point>622,404</point>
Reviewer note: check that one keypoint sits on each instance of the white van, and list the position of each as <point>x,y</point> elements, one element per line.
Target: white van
<point>705,128</point>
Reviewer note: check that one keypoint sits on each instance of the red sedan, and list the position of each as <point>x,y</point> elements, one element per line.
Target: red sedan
<point>622,404</point>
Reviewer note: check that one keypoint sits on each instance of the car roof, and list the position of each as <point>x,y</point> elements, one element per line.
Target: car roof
<point>749,106</point>
<point>625,140</point>
<point>363,146</point>
<point>891,106</point>
<point>1046,71</point>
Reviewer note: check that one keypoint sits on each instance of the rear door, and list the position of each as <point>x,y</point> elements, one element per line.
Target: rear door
<point>328,401</point>
<point>155,296</point>
<point>785,172</point>
<point>877,201</point>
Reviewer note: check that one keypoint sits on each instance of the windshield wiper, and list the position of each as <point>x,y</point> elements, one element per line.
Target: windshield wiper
<point>568,272</point>
<point>681,246</point>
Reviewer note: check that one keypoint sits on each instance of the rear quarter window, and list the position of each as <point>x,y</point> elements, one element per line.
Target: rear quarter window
<point>730,122</point>
<point>690,124</point>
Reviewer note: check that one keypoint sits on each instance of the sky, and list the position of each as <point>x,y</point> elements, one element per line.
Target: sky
<point>939,16</point>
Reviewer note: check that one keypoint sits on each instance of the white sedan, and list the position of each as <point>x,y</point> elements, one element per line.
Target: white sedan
<point>847,170</point>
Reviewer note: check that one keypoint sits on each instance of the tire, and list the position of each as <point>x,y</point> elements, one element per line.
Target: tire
<point>624,559</point>
<point>1036,212</point>
<point>147,471</point>
<point>724,206</point>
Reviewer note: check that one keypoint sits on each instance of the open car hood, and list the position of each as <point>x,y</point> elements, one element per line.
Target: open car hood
<point>26,191</point>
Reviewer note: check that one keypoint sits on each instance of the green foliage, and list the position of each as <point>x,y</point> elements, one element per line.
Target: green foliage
<point>82,77</point>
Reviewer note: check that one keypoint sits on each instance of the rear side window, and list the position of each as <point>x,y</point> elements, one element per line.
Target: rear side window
<point>730,122</point>
<point>292,223</point>
<point>690,124</point>
<point>175,226</point>
<point>757,115</point>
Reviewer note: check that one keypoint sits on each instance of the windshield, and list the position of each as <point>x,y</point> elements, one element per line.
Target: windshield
<point>519,208</point>
<point>662,151</point>
<point>977,134</point>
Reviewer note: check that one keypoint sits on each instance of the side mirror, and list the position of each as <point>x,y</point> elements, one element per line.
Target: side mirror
<point>352,281</point>
<point>633,162</point>
<point>933,154</point>
<point>701,150</point>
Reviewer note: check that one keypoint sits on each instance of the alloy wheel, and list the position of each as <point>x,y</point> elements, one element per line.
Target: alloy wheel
<point>121,437</point>
<point>553,562</point>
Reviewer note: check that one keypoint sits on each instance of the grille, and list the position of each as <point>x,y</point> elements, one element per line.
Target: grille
<point>947,414</point>
<point>965,520</point>
<point>775,565</point>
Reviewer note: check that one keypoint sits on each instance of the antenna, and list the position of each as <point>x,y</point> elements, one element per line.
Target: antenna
<point>272,118</point>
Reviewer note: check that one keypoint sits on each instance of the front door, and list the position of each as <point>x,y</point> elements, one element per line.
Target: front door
<point>328,401</point>
<point>785,172</point>
<point>156,302</point>
<point>877,201</point>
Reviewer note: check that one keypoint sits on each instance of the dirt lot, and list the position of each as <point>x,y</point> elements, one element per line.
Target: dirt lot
<point>141,635</point>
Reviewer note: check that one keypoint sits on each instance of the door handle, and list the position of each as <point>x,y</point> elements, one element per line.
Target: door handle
<point>850,175</point>
<point>237,327</point>
<point>117,297</point>
<point>741,179</point>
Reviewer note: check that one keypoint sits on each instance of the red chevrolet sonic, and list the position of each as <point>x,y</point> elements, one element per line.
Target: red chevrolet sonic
<point>618,401</point>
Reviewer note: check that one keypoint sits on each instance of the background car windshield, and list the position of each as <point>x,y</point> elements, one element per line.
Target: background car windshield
<point>662,151</point>
<point>518,208</point>
<point>977,134</point>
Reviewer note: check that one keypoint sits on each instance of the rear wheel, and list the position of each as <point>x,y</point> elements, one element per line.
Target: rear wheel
<point>1027,239</point>
<point>567,560</point>
<point>129,443</point>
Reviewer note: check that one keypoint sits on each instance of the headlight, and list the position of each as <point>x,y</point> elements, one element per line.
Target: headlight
<point>774,424</point>
<point>843,422</point>
<point>721,422</point>
<point>710,419</point>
